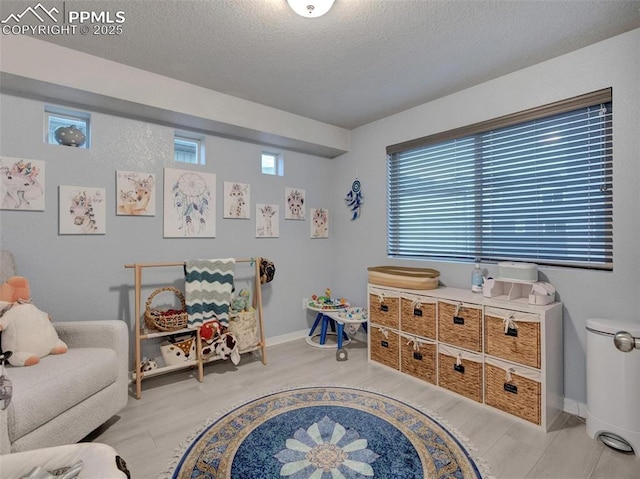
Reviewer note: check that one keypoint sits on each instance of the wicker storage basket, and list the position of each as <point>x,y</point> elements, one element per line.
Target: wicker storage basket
<point>460,324</point>
<point>245,328</point>
<point>418,316</point>
<point>460,371</point>
<point>167,319</point>
<point>403,277</point>
<point>385,347</point>
<point>384,308</point>
<point>513,389</point>
<point>513,336</point>
<point>418,358</point>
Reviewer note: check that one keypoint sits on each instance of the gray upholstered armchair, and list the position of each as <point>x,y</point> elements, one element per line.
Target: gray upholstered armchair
<point>64,397</point>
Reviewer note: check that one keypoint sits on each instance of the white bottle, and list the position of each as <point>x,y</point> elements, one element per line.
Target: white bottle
<point>476,278</point>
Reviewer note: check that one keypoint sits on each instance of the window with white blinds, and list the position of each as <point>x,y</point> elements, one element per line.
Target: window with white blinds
<point>535,186</point>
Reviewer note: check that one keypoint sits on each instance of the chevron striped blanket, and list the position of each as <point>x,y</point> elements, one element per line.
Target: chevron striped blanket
<point>207,287</point>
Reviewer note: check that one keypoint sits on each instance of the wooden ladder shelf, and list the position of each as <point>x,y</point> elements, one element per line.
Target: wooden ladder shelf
<point>142,333</point>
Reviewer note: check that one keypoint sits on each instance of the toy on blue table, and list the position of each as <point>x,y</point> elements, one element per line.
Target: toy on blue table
<point>326,302</point>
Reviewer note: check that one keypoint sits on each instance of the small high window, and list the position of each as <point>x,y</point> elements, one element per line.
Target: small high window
<point>188,149</point>
<point>67,127</point>
<point>272,164</point>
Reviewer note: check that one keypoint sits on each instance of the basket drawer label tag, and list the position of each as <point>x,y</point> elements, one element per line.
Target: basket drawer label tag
<point>459,368</point>
<point>511,388</point>
<point>417,312</point>
<point>417,355</point>
<point>384,307</point>
<point>458,320</point>
<point>384,344</point>
<point>512,332</point>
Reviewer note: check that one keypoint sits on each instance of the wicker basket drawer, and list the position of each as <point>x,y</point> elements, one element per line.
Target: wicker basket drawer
<point>513,389</point>
<point>460,371</point>
<point>418,315</point>
<point>460,324</point>
<point>418,358</point>
<point>385,346</point>
<point>384,308</point>
<point>513,336</point>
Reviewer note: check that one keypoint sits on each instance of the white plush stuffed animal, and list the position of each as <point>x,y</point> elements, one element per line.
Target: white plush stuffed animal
<point>28,332</point>
<point>226,346</point>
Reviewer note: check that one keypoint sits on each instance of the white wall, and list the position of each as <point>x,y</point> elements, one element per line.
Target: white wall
<point>611,63</point>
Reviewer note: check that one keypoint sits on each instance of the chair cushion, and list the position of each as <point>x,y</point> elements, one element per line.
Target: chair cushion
<point>56,384</point>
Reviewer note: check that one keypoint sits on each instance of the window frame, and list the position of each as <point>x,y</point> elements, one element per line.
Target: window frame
<point>80,119</point>
<point>198,141</point>
<point>278,163</point>
<point>471,133</point>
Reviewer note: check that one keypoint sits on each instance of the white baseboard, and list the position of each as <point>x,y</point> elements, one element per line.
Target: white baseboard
<point>574,407</point>
<point>285,338</point>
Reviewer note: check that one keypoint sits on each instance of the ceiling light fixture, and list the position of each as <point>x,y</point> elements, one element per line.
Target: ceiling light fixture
<point>310,8</point>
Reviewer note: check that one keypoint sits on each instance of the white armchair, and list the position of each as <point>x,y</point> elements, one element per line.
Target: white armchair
<point>65,397</point>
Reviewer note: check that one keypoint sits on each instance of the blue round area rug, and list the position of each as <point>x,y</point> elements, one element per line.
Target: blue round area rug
<point>325,433</point>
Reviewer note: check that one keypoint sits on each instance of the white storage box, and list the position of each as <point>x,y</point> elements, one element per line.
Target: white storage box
<point>510,270</point>
<point>178,349</point>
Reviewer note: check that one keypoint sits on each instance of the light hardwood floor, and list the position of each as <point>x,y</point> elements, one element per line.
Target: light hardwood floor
<point>148,431</point>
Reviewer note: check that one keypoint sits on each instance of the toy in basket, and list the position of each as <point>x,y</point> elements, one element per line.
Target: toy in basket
<point>166,319</point>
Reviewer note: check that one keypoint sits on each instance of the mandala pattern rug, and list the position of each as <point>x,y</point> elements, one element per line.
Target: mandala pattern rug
<point>325,433</point>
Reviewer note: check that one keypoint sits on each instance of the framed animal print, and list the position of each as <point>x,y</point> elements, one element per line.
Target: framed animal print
<point>236,200</point>
<point>294,199</point>
<point>189,204</point>
<point>82,210</point>
<point>319,222</point>
<point>22,184</point>
<point>267,221</point>
<point>135,193</point>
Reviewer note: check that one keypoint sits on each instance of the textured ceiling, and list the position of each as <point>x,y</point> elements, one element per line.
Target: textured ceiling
<point>362,61</point>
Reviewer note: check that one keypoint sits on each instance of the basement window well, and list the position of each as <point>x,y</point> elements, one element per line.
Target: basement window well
<point>67,127</point>
<point>272,164</point>
<point>188,149</point>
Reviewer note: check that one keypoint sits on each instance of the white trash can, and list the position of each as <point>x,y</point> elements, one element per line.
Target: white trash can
<point>613,383</point>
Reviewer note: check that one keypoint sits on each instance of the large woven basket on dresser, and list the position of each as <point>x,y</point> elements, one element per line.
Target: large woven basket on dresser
<point>165,319</point>
<point>385,347</point>
<point>460,371</point>
<point>384,308</point>
<point>513,389</point>
<point>418,358</point>
<point>460,324</point>
<point>418,316</point>
<point>404,277</point>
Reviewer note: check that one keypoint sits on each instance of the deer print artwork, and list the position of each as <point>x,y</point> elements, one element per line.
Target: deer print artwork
<point>136,194</point>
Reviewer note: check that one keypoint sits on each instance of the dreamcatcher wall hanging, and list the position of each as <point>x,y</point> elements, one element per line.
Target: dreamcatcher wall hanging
<point>354,199</point>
